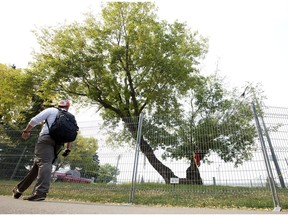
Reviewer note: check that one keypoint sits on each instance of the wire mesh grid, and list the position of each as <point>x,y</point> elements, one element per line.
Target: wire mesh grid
<point>215,174</point>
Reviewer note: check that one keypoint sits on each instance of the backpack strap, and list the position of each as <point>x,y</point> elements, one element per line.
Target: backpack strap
<point>47,124</point>
<point>56,117</point>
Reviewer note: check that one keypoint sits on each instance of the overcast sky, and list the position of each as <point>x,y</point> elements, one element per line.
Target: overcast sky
<point>248,39</point>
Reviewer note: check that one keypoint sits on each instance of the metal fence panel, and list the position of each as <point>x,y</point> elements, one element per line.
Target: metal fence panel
<point>216,175</point>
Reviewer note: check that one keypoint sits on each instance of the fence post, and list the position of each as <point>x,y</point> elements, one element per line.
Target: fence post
<point>136,158</point>
<point>273,189</point>
<point>279,173</point>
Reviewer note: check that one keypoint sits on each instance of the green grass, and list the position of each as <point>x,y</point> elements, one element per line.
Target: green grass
<point>153,194</point>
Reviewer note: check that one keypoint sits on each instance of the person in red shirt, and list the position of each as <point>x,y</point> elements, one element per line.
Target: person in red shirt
<point>197,158</point>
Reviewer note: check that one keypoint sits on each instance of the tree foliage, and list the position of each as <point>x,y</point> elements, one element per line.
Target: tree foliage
<point>218,120</point>
<point>127,62</point>
<point>107,173</point>
<point>15,91</point>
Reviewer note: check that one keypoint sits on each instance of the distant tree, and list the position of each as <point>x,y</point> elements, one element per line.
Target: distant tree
<point>107,173</point>
<point>82,157</point>
<point>15,91</point>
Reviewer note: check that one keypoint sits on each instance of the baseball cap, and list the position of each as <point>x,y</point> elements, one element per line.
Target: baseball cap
<point>64,103</point>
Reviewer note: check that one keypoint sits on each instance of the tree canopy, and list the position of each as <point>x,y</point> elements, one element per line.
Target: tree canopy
<point>127,62</point>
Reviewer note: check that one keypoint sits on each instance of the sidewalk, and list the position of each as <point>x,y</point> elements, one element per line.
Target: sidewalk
<point>8,205</point>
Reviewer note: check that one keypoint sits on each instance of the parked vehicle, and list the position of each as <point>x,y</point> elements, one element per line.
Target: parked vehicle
<point>70,176</point>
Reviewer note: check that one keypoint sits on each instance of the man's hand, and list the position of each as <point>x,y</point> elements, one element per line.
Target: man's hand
<point>66,152</point>
<point>25,135</point>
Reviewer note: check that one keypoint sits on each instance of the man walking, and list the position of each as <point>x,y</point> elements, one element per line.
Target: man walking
<point>45,149</point>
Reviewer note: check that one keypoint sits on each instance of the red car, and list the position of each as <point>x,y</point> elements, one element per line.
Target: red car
<point>70,176</point>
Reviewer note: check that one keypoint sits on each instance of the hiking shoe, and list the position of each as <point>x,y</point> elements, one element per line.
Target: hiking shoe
<point>35,197</point>
<point>16,193</point>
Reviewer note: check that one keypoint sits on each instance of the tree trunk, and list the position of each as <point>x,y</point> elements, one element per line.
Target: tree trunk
<point>163,170</point>
<point>192,172</point>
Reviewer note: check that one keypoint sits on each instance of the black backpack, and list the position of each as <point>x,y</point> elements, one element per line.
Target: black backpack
<point>64,129</point>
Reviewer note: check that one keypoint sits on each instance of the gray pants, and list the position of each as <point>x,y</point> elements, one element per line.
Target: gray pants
<point>42,167</point>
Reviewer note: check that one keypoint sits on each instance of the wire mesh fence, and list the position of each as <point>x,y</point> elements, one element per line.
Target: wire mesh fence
<point>201,158</point>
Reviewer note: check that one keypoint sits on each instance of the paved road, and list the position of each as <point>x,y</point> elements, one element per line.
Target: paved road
<point>8,205</point>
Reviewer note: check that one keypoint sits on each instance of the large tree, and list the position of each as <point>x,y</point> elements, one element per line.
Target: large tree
<point>217,120</point>
<point>128,62</point>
